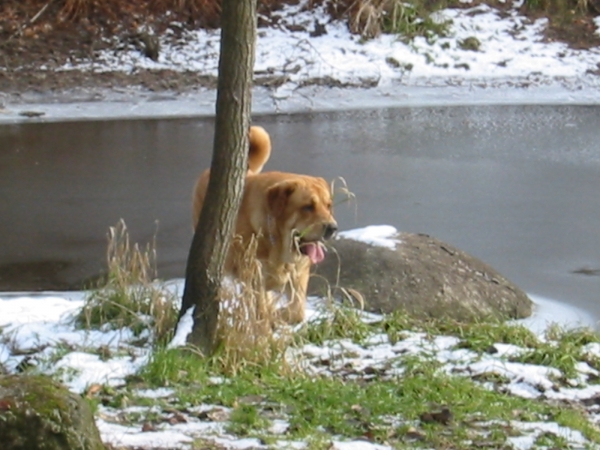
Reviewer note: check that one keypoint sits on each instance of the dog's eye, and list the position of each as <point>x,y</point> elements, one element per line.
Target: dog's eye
<point>309,208</point>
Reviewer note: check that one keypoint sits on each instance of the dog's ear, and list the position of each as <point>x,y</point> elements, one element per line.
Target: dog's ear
<point>278,196</point>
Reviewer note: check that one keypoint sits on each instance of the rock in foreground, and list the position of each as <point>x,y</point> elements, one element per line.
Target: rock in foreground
<point>38,413</point>
<point>419,274</point>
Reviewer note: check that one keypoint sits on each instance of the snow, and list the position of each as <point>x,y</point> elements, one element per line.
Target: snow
<point>548,311</point>
<point>184,328</point>
<point>537,428</point>
<point>116,435</point>
<point>377,235</point>
<point>91,369</point>
<point>530,380</point>
<point>155,393</point>
<point>357,445</point>
<point>41,324</point>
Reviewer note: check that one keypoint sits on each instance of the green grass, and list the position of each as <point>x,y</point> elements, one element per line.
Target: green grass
<point>477,336</point>
<point>179,366</point>
<point>562,350</point>
<point>384,410</point>
<point>246,419</point>
<point>341,322</point>
<point>576,419</point>
<point>470,43</point>
<point>413,19</point>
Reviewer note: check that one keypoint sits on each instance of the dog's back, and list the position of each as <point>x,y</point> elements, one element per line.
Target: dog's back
<point>258,155</point>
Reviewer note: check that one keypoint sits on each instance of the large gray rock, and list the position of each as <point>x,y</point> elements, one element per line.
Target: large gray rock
<point>418,274</point>
<point>36,413</point>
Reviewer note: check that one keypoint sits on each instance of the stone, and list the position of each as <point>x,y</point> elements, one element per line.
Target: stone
<point>417,274</point>
<point>37,413</point>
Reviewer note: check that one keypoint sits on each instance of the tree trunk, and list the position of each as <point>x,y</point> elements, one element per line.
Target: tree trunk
<point>213,233</point>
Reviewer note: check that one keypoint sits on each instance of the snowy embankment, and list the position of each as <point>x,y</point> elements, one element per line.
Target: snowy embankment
<point>512,64</point>
<point>510,48</point>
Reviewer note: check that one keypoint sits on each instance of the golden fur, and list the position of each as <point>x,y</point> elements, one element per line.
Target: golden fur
<point>289,214</point>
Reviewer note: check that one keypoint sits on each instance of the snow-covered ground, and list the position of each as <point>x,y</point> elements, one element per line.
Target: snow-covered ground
<point>35,326</point>
<point>339,70</point>
<point>511,49</point>
<point>38,327</point>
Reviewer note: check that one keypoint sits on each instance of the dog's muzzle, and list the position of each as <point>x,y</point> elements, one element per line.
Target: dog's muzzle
<point>329,230</point>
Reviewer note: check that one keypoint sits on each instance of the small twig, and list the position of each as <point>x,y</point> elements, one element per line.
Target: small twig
<point>40,12</point>
<point>31,21</point>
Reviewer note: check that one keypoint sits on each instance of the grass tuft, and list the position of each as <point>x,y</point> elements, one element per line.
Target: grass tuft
<point>370,18</point>
<point>130,296</point>
<point>562,349</point>
<point>477,336</point>
<point>245,419</point>
<point>175,366</point>
<point>470,43</point>
<point>250,331</point>
<point>338,321</point>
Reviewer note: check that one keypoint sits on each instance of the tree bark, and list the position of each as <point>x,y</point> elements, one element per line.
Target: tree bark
<point>213,233</point>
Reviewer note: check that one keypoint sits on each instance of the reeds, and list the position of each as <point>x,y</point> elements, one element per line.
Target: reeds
<point>130,296</point>
<point>249,329</point>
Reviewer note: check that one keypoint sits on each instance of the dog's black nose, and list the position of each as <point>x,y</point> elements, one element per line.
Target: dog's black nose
<point>330,230</point>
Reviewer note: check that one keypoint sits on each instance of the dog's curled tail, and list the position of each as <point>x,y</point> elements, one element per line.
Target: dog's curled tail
<point>260,149</point>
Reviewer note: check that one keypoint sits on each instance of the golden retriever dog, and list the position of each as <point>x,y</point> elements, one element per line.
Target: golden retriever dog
<point>289,215</point>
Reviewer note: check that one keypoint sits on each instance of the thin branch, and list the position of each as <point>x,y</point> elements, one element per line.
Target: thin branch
<point>31,21</point>
<point>40,12</point>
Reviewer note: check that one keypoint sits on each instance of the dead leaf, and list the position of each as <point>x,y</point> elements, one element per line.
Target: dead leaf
<point>93,390</point>
<point>177,418</point>
<point>251,399</point>
<point>444,416</point>
<point>413,433</point>
<point>148,426</point>
<point>215,415</point>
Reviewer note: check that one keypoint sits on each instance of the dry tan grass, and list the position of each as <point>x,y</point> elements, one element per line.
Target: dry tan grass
<point>128,264</point>
<point>130,296</point>
<point>366,18</point>
<point>370,18</point>
<point>73,9</point>
<point>249,329</point>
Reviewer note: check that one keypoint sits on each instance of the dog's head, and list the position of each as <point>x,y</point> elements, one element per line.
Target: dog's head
<point>302,208</point>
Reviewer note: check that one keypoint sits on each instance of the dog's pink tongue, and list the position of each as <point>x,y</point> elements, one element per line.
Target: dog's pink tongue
<point>314,252</point>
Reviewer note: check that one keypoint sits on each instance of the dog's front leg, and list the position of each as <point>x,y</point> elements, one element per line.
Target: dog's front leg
<point>295,310</point>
